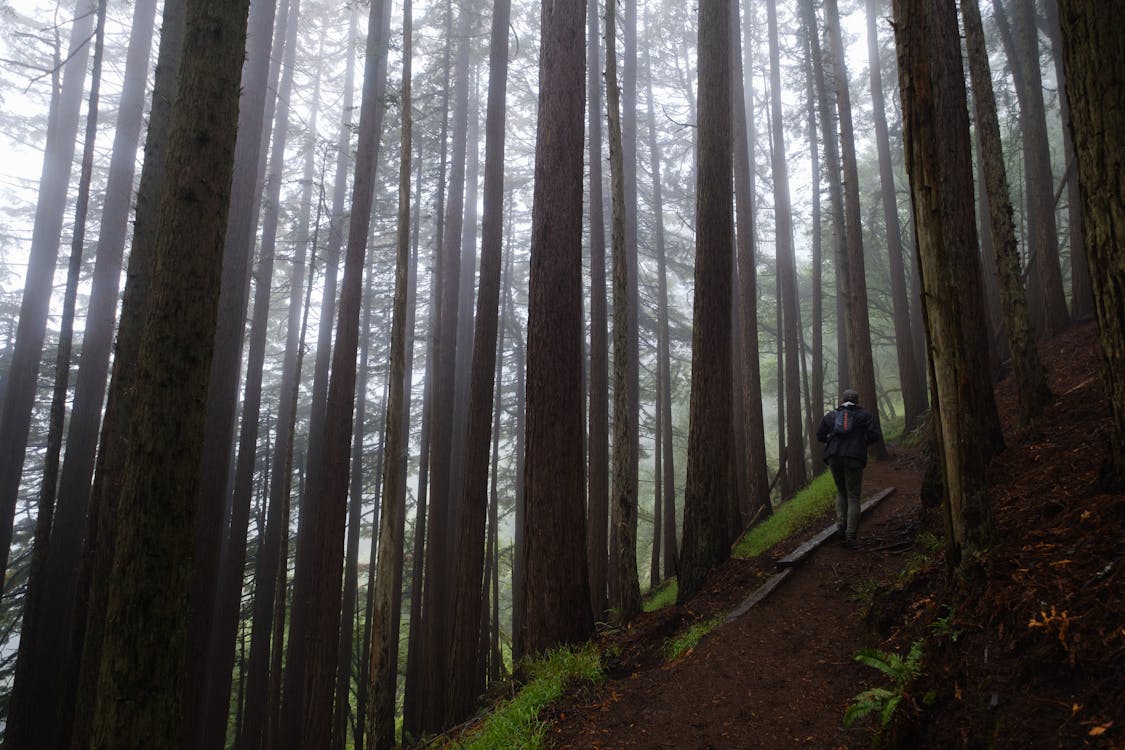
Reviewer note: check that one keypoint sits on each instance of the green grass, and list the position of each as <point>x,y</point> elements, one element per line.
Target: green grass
<point>662,596</point>
<point>515,724</point>
<point>791,517</point>
<point>688,639</point>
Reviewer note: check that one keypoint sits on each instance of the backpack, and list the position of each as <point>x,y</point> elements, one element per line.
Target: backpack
<point>845,419</point>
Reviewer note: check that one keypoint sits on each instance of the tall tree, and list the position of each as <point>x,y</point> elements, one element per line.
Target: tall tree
<point>742,112</point>
<point>438,590</point>
<point>794,461</point>
<point>1094,52</point>
<point>23,372</point>
<point>1043,239</point>
<point>139,694</point>
<point>77,708</point>
<point>73,496</point>
<point>624,589</point>
<point>311,698</point>
<point>708,479</point>
<point>939,162</point>
<point>255,117</point>
<point>465,658</point>
<point>277,515</point>
<point>597,521</point>
<point>556,591</point>
<point>831,140</point>
<point>1081,292</point>
<point>664,447</point>
<point>816,257</point>
<point>1030,376</point>
<point>910,377</point>
<point>860,356</point>
<point>383,626</point>
<point>32,690</point>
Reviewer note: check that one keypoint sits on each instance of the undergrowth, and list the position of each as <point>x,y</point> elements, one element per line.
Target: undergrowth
<point>792,516</point>
<point>690,638</point>
<point>515,723</point>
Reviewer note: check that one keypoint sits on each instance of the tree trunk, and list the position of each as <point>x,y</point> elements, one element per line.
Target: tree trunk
<point>465,659</point>
<point>862,367</point>
<point>707,489</point>
<point>62,569</point>
<point>939,162</point>
<point>787,270</point>
<point>438,592</point>
<point>39,653</point>
<point>597,522</point>
<point>519,537</point>
<point>1081,292</point>
<point>348,615</point>
<point>816,377</point>
<point>1031,378</point>
<point>259,84</point>
<point>1094,52</point>
<point>139,694</point>
<point>624,589</point>
<point>76,714</point>
<point>23,372</point>
<point>555,587</point>
<point>910,378</point>
<point>831,139</point>
<point>742,111</point>
<point>1043,238</point>
<point>309,691</point>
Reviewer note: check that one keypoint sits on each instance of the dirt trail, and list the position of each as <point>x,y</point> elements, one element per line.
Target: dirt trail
<point>781,675</point>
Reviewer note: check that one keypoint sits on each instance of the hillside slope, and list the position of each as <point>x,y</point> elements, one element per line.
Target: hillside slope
<point>1029,653</point>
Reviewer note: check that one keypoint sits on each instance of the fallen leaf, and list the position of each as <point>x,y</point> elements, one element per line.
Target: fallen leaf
<point>1099,731</point>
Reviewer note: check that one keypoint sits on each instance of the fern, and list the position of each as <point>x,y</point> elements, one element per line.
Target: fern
<point>881,699</point>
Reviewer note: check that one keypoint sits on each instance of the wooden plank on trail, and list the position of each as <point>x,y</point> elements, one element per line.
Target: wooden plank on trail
<point>786,563</point>
<point>803,551</point>
<point>761,593</point>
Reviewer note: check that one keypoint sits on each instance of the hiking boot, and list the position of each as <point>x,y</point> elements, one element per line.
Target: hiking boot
<point>840,534</point>
<point>851,544</point>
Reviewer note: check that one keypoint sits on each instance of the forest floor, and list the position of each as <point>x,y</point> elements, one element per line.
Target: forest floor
<point>1028,651</point>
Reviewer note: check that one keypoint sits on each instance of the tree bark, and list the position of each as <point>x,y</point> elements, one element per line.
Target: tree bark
<point>1094,52</point>
<point>787,271</point>
<point>910,378</point>
<point>555,588</point>
<point>139,694</point>
<point>61,573</point>
<point>1030,376</point>
<point>465,659</point>
<point>624,589</point>
<point>742,110</point>
<point>76,714</point>
<point>707,489</point>
<point>597,522</point>
<point>939,162</point>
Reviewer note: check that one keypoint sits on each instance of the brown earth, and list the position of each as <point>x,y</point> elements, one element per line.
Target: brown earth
<point>1028,651</point>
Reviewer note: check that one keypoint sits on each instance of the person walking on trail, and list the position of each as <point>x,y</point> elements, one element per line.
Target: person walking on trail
<point>846,432</point>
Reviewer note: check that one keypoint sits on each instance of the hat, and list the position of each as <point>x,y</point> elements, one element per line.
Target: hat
<point>849,395</point>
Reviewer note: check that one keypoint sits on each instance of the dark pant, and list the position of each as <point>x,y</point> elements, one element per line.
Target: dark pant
<point>848,475</point>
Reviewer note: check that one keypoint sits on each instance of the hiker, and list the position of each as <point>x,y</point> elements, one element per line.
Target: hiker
<point>846,432</point>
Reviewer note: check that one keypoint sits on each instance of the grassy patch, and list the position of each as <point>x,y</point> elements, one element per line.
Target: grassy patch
<point>516,723</point>
<point>792,516</point>
<point>662,596</point>
<point>688,639</point>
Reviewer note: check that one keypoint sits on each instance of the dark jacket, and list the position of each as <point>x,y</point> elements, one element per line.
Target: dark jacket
<point>853,444</point>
